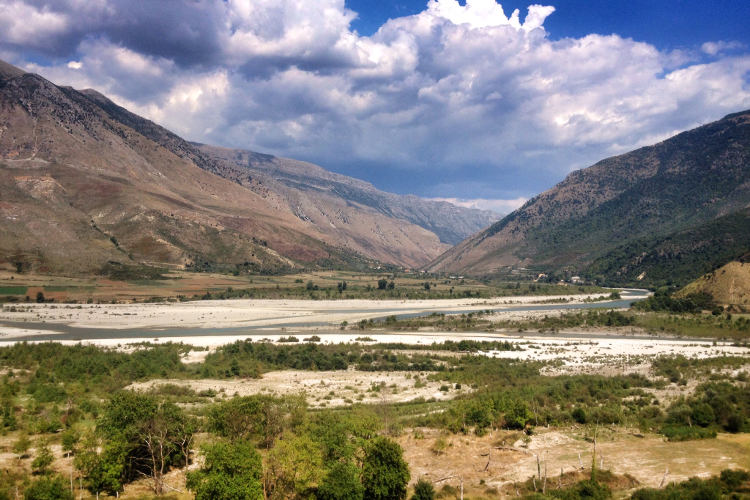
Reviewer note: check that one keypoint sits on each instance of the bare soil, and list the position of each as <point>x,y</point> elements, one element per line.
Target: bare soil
<point>323,388</point>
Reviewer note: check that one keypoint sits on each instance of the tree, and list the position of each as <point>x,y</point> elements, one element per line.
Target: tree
<point>152,435</point>
<point>43,459</point>
<point>70,440</point>
<point>341,483</point>
<point>423,490</point>
<point>256,417</point>
<point>385,474</point>
<point>102,467</point>
<point>382,284</point>
<point>231,471</point>
<point>703,414</point>
<point>161,436</point>
<point>294,467</point>
<point>48,488</point>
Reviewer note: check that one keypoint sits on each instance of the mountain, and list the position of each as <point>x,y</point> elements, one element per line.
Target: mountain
<point>660,214</point>
<point>728,285</point>
<point>84,182</point>
<point>330,201</point>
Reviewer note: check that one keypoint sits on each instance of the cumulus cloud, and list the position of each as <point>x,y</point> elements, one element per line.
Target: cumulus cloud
<point>450,94</point>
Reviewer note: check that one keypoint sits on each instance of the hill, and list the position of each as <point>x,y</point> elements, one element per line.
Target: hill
<point>661,214</point>
<point>84,181</point>
<point>728,285</point>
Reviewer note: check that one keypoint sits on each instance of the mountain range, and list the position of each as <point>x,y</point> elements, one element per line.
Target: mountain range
<point>662,214</point>
<point>85,183</point>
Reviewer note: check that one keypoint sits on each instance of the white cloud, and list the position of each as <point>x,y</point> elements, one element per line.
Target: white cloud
<point>498,206</point>
<point>22,23</point>
<point>713,48</point>
<point>446,90</point>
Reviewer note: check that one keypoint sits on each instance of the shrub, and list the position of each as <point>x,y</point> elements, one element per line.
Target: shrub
<point>341,483</point>
<point>423,490</point>
<point>384,471</point>
<point>48,488</point>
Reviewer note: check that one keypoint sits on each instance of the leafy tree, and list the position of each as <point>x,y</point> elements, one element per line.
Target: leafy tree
<point>382,284</point>
<point>102,468</point>
<point>703,414</point>
<point>385,474</point>
<point>153,434</point>
<point>334,433</point>
<point>48,488</point>
<point>341,483</point>
<point>294,467</point>
<point>518,415</point>
<point>70,440</point>
<point>423,490</point>
<point>231,471</point>
<point>43,459</point>
<point>256,417</point>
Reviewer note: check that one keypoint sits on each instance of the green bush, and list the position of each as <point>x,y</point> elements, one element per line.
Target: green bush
<point>385,474</point>
<point>685,433</point>
<point>341,483</point>
<point>231,471</point>
<point>423,490</point>
<point>48,488</point>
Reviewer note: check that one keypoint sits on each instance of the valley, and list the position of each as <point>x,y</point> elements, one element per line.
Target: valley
<point>183,320</point>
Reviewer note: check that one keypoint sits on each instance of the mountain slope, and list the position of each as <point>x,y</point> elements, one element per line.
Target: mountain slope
<point>83,181</point>
<point>334,201</point>
<point>728,285</point>
<point>296,180</point>
<point>628,203</point>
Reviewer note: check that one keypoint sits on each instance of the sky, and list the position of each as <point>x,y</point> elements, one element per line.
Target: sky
<point>471,101</point>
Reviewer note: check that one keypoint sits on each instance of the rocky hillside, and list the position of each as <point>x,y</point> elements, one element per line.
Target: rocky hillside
<point>83,182</point>
<point>631,218</point>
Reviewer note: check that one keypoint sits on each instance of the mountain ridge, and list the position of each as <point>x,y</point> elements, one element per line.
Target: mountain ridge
<point>681,183</point>
<point>85,181</point>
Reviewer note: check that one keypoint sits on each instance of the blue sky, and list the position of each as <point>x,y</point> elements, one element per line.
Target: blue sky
<point>668,24</point>
<point>445,99</point>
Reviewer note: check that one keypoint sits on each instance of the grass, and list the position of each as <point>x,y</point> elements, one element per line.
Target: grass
<point>700,325</point>
<point>13,290</point>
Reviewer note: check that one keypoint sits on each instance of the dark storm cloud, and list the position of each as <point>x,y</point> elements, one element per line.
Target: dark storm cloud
<point>188,33</point>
